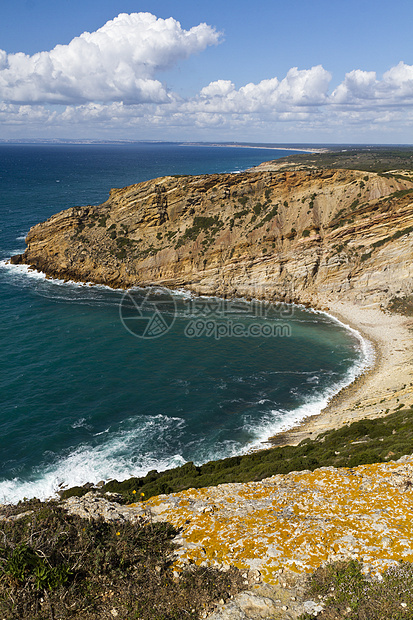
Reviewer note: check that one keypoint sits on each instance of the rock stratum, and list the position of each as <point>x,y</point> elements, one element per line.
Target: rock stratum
<point>303,235</point>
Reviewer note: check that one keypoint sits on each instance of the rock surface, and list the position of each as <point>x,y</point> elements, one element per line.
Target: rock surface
<point>300,235</point>
<point>297,521</point>
<point>278,530</point>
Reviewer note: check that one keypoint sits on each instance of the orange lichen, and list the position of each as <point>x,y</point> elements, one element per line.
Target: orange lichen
<point>296,521</point>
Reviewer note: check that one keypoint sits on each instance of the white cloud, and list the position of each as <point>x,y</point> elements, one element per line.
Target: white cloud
<point>292,108</point>
<point>399,80</point>
<point>357,86</point>
<point>306,87</point>
<point>362,88</point>
<point>219,88</point>
<point>118,62</point>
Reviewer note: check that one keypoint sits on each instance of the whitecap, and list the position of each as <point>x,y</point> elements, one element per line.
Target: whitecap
<point>107,460</point>
<point>280,420</point>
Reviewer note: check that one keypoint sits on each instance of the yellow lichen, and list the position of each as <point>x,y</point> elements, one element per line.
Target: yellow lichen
<point>297,521</point>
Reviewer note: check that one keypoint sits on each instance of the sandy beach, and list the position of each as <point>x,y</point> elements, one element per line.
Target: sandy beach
<point>384,387</point>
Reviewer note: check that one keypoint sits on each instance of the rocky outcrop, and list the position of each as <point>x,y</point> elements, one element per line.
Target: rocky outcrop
<point>292,521</point>
<point>281,528</point>
<point>299,235</point>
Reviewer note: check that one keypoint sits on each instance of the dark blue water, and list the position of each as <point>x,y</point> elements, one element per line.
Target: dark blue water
<point>83,398</point>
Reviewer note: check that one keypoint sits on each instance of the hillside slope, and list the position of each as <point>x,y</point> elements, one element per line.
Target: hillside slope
<point>300,235</point>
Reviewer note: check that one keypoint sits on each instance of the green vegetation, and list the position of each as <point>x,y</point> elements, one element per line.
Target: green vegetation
<point>257,208</point>
<point>123,241</point>
<point>270,216</point>
<point>396,235</point>
<point>400,194</point>
<point>402,305</point>
<point>348,593</point>
<point>56,566</point>
<point>365,256</point>
<point>209,225</point>
<point>312,198</point>
<point>365,441</point>
<point>376,159</point>
<point>240,214</point>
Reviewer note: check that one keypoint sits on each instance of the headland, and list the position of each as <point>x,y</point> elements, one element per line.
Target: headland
<point>333,239</point>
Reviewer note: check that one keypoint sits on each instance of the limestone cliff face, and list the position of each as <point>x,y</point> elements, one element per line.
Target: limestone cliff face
<point>301,235</point>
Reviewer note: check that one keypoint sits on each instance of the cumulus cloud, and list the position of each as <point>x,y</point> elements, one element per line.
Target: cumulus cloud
<point>118,62</point>
<point>362,88</point>
<point>306,87</point>
<point>219,88</point>
<point>298,106</point>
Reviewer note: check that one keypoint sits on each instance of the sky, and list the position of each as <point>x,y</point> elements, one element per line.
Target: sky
<point>302,71</point>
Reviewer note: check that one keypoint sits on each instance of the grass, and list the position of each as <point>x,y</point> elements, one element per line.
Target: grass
<point>362,442</point>
<point>55,566</point>
<point>348,593</point>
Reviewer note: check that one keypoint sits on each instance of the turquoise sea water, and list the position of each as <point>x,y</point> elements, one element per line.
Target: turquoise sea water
<point>83,399</point>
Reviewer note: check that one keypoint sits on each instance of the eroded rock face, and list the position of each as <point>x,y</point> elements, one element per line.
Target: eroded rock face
<point>298,235</point>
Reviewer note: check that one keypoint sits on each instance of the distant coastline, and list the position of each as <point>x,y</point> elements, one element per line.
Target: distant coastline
<point>257,146</point>
<point>241,145</point>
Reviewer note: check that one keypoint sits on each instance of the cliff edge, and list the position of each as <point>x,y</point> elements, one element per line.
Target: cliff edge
<point>304,235</point>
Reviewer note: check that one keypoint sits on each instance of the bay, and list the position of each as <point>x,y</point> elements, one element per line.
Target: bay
<point>83,398</point>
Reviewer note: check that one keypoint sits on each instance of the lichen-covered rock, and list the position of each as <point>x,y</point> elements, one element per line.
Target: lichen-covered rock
<point>280,529</point>
<point>296,521</point>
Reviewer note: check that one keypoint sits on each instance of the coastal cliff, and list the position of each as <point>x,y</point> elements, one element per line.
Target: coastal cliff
<point>305,235</point>
<point>329,238</point>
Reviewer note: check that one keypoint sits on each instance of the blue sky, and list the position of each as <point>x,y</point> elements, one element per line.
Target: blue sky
<point>298,71</point>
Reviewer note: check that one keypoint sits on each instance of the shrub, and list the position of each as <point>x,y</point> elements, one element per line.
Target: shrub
<point>348,593</point>
<point>376,442</point>
<point>53,565</point>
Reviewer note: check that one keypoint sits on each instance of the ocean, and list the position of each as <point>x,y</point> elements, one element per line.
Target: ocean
<point>86,396</point>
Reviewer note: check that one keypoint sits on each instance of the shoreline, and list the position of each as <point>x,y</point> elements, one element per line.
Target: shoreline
<point>265,148</point>
<point>380,389</point>
<point>382,386</point>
